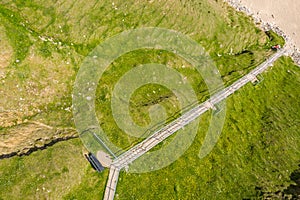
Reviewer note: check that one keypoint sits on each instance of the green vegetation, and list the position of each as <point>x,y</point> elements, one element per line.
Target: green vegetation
<point>51,39</point>
<point>257,152</point>
<point>259,146</point>
<point>44,174</point>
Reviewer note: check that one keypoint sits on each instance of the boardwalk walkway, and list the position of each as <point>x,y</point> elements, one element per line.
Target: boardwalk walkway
<point>157,137</point>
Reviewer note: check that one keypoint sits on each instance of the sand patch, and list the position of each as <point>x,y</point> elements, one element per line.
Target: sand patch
<point>285,14</point>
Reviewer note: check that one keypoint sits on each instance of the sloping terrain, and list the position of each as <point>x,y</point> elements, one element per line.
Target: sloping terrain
<point>44,43</point>
<point>256,156</point>
<point>42,46</point>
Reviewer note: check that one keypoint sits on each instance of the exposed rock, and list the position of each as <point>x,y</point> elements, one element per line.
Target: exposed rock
<point>31,136</point>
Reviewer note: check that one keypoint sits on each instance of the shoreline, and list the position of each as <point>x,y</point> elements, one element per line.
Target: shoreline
<point>267,26</point>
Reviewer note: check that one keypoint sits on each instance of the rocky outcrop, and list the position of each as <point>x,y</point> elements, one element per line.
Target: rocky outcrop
<point>28,150</point>
<point>31,136</point>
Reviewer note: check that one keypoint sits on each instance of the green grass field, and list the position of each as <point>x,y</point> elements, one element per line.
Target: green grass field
<point>43,45</point>
<point>257,152</point>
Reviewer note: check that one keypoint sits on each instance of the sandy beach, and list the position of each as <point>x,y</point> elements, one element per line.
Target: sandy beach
<point>280,16</point>
<point>284,13</point>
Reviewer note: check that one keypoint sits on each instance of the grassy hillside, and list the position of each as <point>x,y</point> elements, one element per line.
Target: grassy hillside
<point>45,42</point>
<point>257,153</point>
<point>42,46</point>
